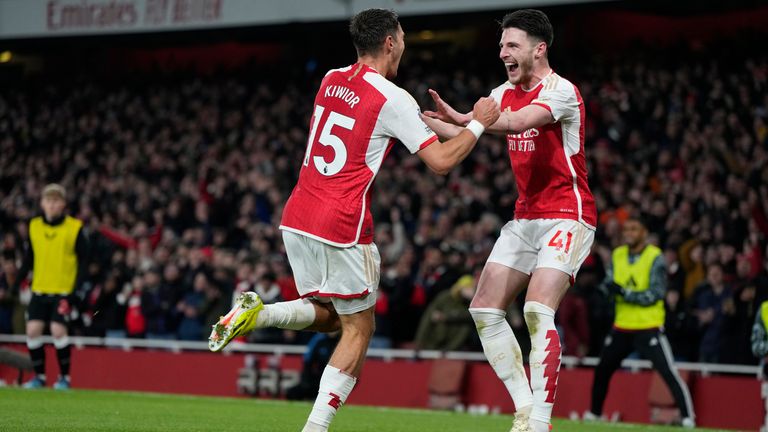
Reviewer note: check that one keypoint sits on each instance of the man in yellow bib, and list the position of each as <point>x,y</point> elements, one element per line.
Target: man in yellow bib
<point>56,254</point>
<point>637,279</point>
<point>760,350</point>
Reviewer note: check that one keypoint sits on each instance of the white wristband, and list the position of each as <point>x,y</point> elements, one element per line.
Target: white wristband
<point>476,128</point>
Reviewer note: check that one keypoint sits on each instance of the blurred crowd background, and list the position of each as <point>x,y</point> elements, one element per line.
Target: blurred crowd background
<point>181,176</point>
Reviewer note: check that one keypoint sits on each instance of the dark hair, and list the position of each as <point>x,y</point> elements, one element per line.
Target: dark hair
<point>370,27</point>
<point>640,219</point>
<point>532,21</point>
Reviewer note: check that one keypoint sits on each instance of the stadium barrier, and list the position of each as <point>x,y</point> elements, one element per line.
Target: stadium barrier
<point>725,396</point>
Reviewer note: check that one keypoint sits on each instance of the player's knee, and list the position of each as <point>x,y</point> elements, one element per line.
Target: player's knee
<point>490,322</point>
<point>58,331</point>
<point>548,298</point>
<point>540,320</point>
<point>487,316</point>
<point>478,302</point>
<point>485,298</point>
<point>34,331</point>
<point>532,310</point>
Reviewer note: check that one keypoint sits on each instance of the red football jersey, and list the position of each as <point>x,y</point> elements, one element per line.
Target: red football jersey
<point>548,162</point>
<point>357,116</point>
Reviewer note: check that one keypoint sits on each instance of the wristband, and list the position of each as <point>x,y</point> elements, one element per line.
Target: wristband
<point>476,128</point>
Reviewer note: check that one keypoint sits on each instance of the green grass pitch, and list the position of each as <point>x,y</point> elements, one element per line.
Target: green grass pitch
<point>87,410</point>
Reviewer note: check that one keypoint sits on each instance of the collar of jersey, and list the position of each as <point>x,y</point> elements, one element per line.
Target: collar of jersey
<point>365,66</point>
<point>551,71</point>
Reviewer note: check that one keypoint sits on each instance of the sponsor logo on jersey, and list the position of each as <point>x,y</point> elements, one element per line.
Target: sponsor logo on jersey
<point>530,133</point>
<point>523,142</point>
<point>521,145</point>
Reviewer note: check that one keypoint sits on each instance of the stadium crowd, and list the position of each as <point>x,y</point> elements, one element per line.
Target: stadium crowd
<point>181,182</point>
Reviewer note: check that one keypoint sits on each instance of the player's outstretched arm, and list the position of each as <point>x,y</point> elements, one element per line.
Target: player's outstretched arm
<point>447,113</point>
<point>441,157</point>
<point>445,116</point>
<point>528,117</point>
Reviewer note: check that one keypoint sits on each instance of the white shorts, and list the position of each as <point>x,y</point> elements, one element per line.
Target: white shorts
<point>346,277</point>
<point>528,244</point>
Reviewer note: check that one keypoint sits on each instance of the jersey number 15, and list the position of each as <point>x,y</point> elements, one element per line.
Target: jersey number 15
<point>327,138</point>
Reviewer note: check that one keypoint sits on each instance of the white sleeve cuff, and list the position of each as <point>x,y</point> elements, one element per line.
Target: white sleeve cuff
<point>476,128</point>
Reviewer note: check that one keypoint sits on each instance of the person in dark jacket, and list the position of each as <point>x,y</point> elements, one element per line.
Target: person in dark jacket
<point>446,325</point>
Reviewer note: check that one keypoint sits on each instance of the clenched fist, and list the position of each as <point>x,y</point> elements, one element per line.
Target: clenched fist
<point>486,111</point>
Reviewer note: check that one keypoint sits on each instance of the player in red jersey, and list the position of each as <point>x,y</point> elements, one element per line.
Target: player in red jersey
<point>327,225</point>
<point>543,247</point>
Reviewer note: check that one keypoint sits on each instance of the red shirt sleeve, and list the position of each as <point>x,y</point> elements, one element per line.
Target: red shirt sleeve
<point>118,238</point>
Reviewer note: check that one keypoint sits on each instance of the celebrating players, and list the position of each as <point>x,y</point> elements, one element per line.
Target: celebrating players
<point>553,228</point>
<point>327,224</point>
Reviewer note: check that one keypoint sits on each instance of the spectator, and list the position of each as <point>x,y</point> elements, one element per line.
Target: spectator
<point>135,322</point>
<point>108,303</point>
<point>680,327</point>
<point>572,323</point>
<point>401,291</point>
<point>8,298</point>
<point>267,288</point>
<point>747,297</point>
<point>713,303</point>
<point>446,324</point>
<point>319,350</point>
<point>190,308</point>
<point>675,272</point>
<point>599,307</point>
<point>691,259</point>
<point>157,307</point>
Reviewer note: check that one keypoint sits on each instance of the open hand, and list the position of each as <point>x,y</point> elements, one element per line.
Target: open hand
<point>446,112</point>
